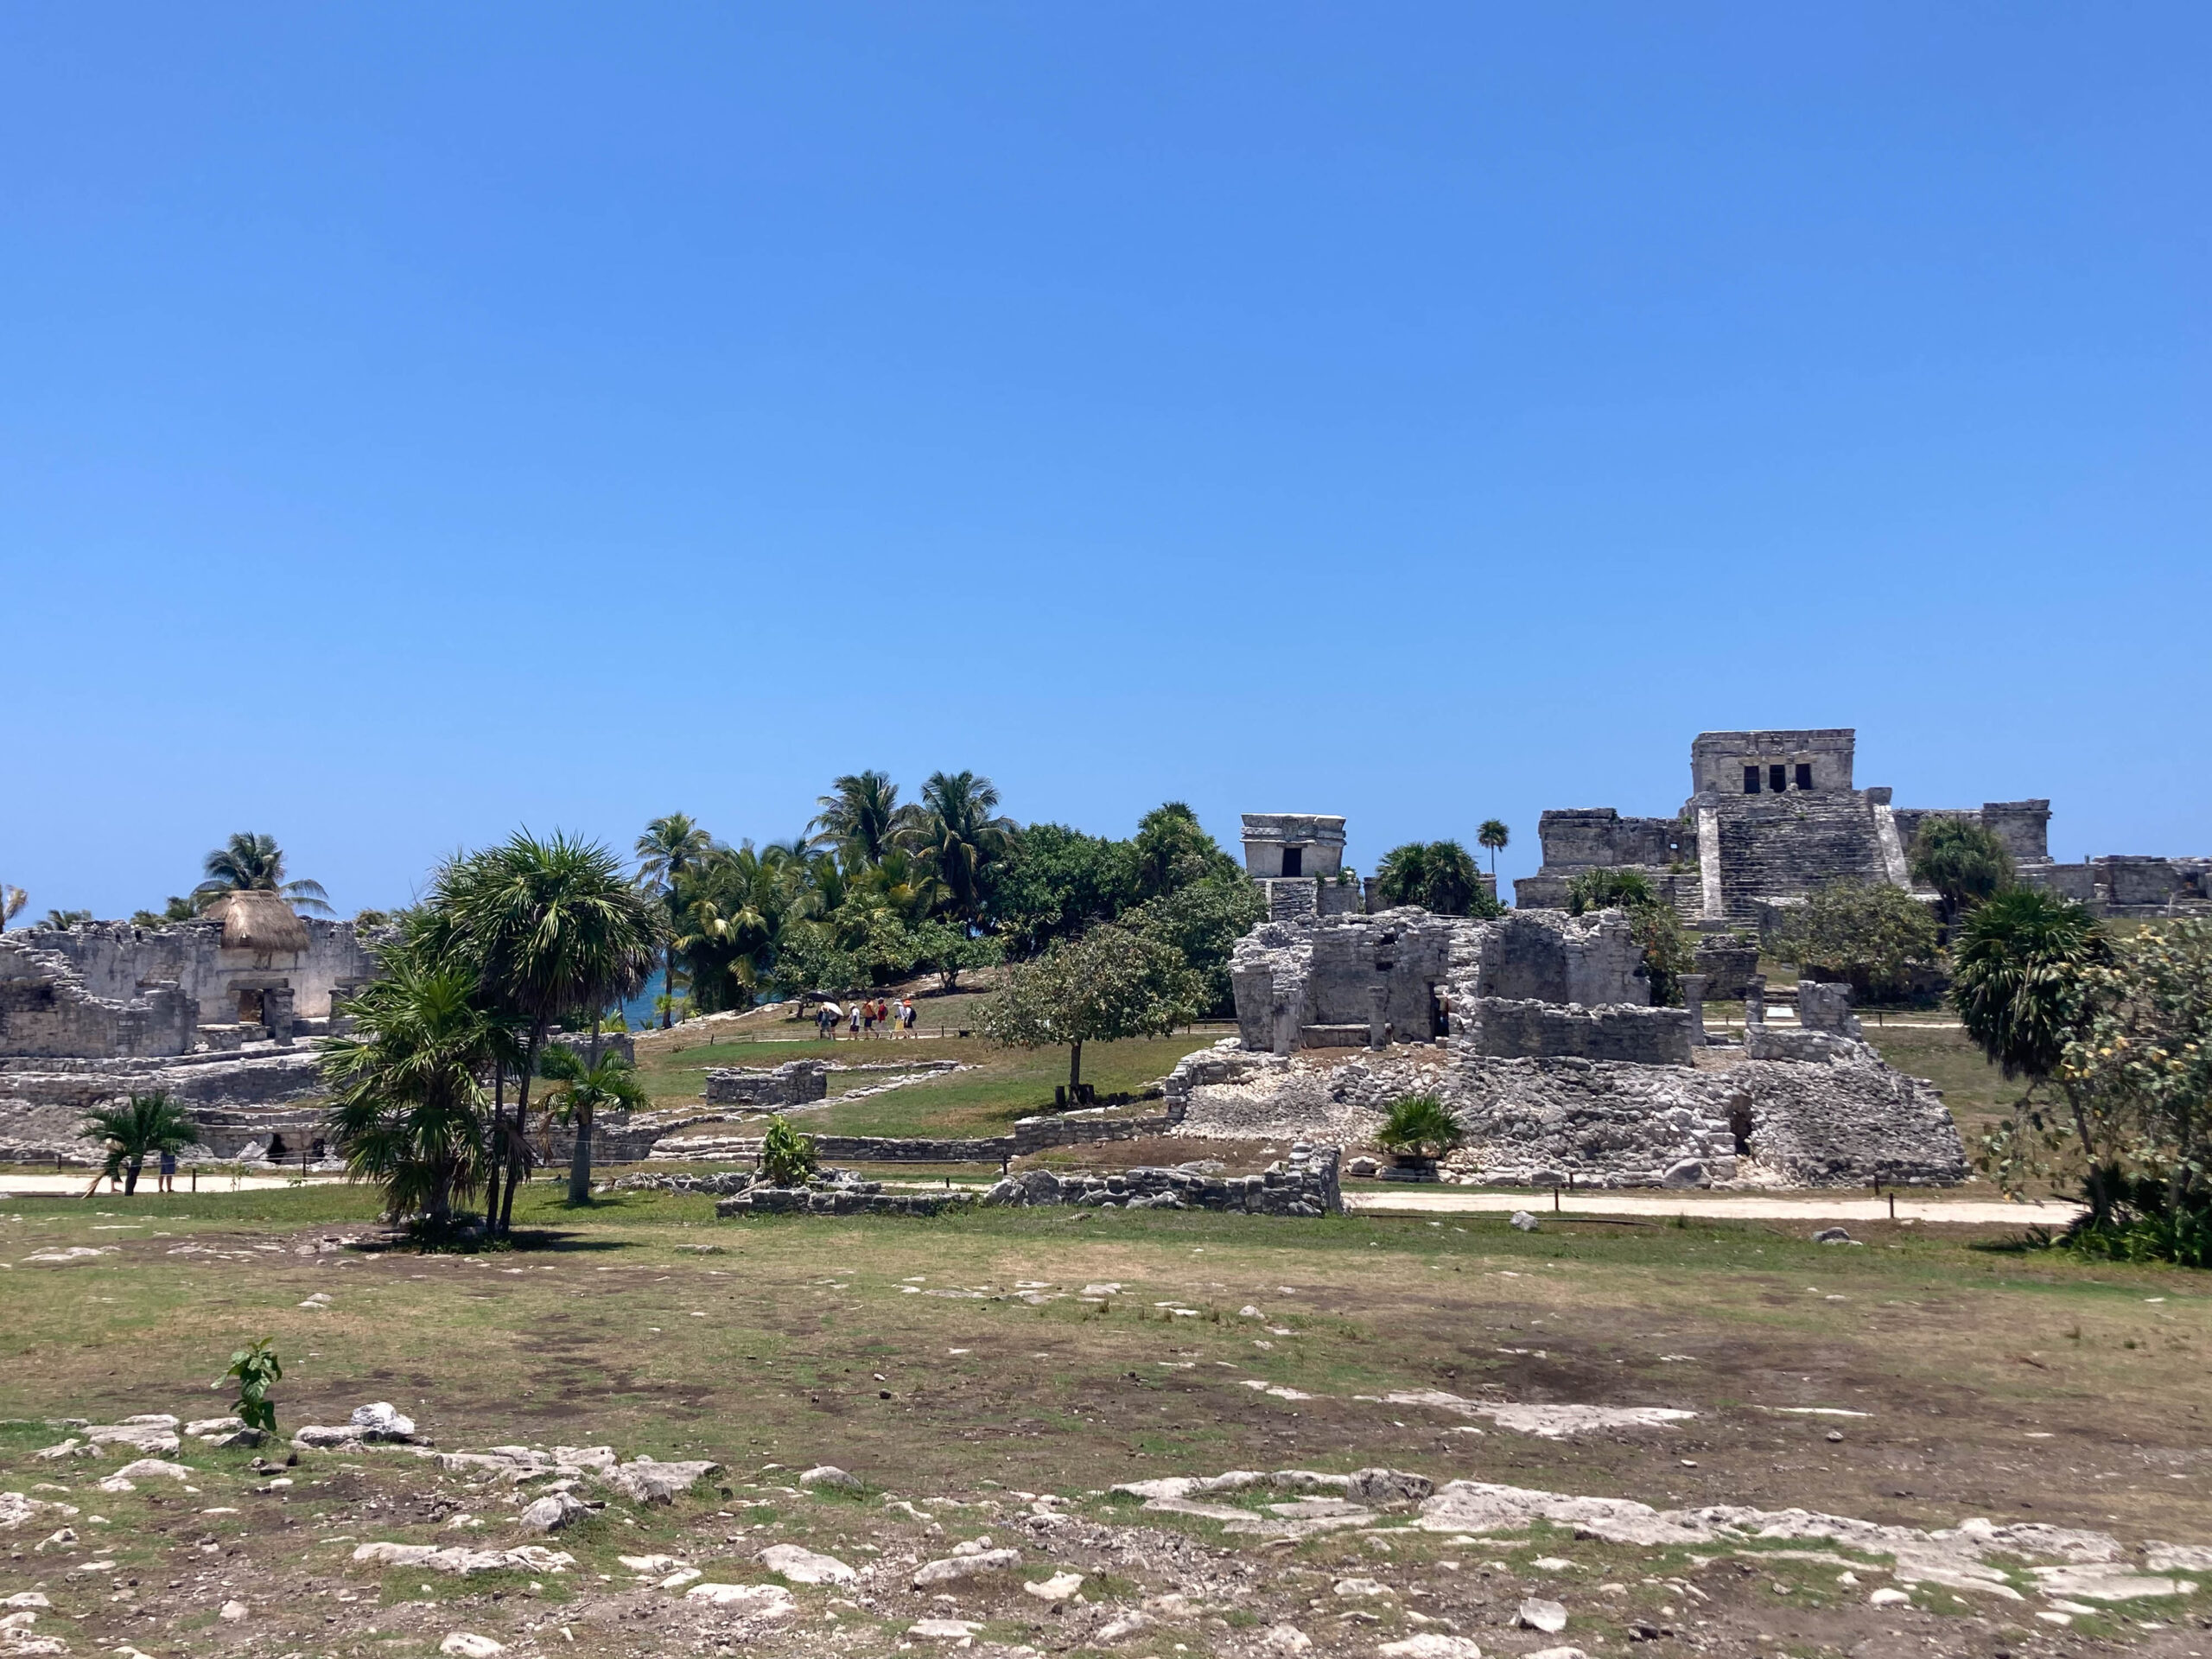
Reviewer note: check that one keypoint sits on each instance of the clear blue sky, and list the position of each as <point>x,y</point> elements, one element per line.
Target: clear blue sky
<point>419,421</point>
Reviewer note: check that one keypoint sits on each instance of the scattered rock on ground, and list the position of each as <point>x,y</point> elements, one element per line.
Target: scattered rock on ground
<point>828,1474</point>
<point>944,1630</point>
<point>965,1566</point>
<point>1522,1222</point>
<point>1382,1487</point>
<point>1833,1236</point>
<point>749,1600</point>
<point>1286,1639</point>
<point>1433,1644</point>
<point>645,1481</point>
<point>801,1565</point>
<point>1537,1614</point>
<point>1061,1586</point>
<point>553,1511</point>
<point>466,1644</point>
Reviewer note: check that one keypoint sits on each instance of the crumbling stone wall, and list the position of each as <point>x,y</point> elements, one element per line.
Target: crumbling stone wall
<point>46,1011</point>
<point>795,1083</point>
<point>1307,1183</point>
<point>1507,1028</point>
<point>113,959</point>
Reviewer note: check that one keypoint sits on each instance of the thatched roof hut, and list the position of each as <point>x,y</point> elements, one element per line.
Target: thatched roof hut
<point>261,921</point>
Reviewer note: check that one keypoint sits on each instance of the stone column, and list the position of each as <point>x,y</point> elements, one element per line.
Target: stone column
<point>1693,999</point>
<point>1379,1011</point>
<point>1755,1001</point>
<point>276,1012</point>
<point>1286,1027</point>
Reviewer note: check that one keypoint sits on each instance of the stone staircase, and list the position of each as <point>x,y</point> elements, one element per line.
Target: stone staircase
<point>1774,848</point>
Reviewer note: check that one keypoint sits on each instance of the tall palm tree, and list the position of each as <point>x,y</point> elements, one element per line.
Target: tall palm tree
<point>12,900</point>
<point>248,861</point>
<point>64,920</point>
<point>671,847</point>
<point>1402,876</point>
<point>959,835</point>
<point>407,1104</point>
<point>607,1083</point>
<point>1495,835</point>
<point>146,1125</point>
<point>553,932</point>
<point>859,817</point>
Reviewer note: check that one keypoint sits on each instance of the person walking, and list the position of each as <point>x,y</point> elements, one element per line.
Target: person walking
<point>856,1022</point>
<point>168,1171</point>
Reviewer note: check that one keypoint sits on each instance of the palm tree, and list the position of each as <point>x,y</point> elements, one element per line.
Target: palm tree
<point>670,850</point>
<point>860,817</point>
<point>607,1082</point>
<point>1453,880</point>
<point>12,900</point>
<point>407,1106</point>
<point>248,861</point>
<point>65,920</point>
<point>1495,835</point>
<point>959,836</point>
<point>1402,876</point>
<point>553,931</point>
<point>1963,862</point>
<point>148,1124</point>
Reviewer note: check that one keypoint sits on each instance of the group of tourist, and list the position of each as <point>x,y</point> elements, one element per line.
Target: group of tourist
<point>868,1018</point>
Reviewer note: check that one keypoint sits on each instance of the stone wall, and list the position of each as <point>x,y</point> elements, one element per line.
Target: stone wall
<point>113,960</point>
<point>795,1083</point>
<point>1508,1027</point>
<point>1304,1184</point>
<point>233,1098</point>
<point>47,1011</point>
<point>1727,963</point>
<point>1539,1121</point>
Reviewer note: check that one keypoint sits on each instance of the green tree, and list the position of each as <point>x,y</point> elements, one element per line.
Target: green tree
<point>553,932</point>
<point>406,1104</point>
<point>590,1085</point>
<point>2018,982</point>
<point>1203,922</point>
<point>145,1126</point>
<point>787,1158</point>
<point>732,909</point>
<point>257,1369</point>
<point>959,836</point>
<point>948,951</point>
<point>1107,985</point>
<point>248,863</point>
<point>1055,882</point>
<point>1965,863</point>
<point>860,817</point>
<point>1607,889</point>
<point>1869,933</point>
<point>1495,835</point>
<point>12,900</point>
<point>177,910</point>
<point>1172,851</point>
<point>1437,875</point>
<point>63,920</point>
<point>2143,1065</point>
<point>671,847</point>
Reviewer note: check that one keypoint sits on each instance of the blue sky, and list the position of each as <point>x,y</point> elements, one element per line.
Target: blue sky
<point>419,421</point>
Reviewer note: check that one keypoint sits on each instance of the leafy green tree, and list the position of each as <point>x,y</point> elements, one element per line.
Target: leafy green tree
<point>732,909</point>
<point>1203,922</point>
<point>63,920</point>
<point>960,836</point>
<point>12,900</point>
<point>553,931</point>
<point>1495,835</point>
<point>860,817</point>
<point>1420,1126</point>
<point>1055,882</point>
<point>1966,864</point>
<point>1172,851</point>
<point>406,1102</point>
<point>589,1085</point>
<point>671,847</point>
<point>948,951</point>
<point>2018,980</point>
<point>248,863</point>
<point>1437,875</point>
<point>145,1127</point>
<point>2144,1066</point>
<point>177,910</point>
<point>1607,889</point>
<point>1869,933</point>
<point>1107,985</point>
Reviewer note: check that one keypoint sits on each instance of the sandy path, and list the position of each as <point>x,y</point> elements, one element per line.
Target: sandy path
<point>1809,1206</point>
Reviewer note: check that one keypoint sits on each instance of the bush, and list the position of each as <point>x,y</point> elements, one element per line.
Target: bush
<point>787,1158</point>
<point>1877,938</point>
<point>1668,952</point>
<point>1420,1126</point>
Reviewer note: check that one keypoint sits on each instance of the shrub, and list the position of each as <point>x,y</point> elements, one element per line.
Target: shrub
<point>1870,934</point>
<point>1420,1126</point>
<point>787,1158</point>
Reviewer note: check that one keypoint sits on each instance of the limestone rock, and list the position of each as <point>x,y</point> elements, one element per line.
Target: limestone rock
<point>71,1447</point>
<point>1833,1236</point>
<point>383,1422</point>
<point>552,1512</point>
<point>1887,1597</point>
<point>747,1600</point>
<point>828,1474</point>
<point>1060,1587</point>
<point>1433,1644</point>
<point>1381,1488</point>
<point>1522,1222</point>
<point>965,1566</point>
<point>466,1644</point>
<point>645,1481</point>
<point>234,1611</point>
<point>801,1565</point>
<point>1360,1587</point>
<point>208,1428</point>
<point>1123,1625</point>
<point>961,1630</point>
<point>1537,1614</point>
<point>146,1467</point>
<point>151,1438</point>
<point>1287,1640</point>
<point>527,1558</point>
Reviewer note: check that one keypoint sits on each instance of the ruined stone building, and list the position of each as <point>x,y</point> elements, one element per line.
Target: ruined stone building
<point>1536,1029</point>
<point>209,1010</point>
<point>1773,816</point>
